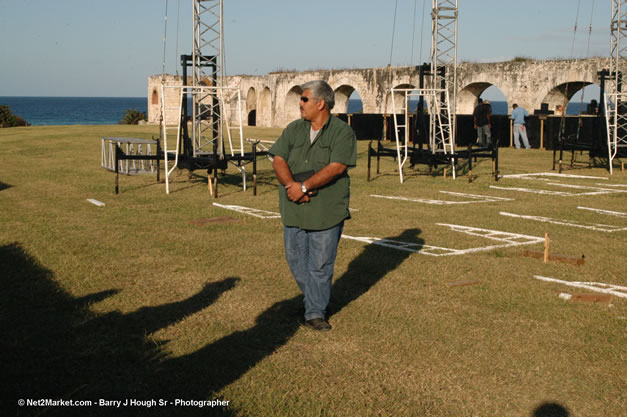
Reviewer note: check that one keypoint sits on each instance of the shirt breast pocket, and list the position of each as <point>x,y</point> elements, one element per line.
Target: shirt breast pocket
<point>322,156</point>
<point>296,155</point>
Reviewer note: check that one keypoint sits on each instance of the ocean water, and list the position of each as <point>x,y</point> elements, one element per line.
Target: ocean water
<point>498,107</point>
<point>41,111</point>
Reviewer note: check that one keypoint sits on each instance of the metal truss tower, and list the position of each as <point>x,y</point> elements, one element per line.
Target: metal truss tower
<point>443,74</point>
<point>615,98</point>
<point>207,65</point>
<point>438,90</point>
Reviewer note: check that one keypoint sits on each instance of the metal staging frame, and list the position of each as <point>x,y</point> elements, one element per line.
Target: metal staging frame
<point>615,99</point>
<point>438,85</point>
<point>229,105</point>
<point>217,136</point>
<point>439,112</point>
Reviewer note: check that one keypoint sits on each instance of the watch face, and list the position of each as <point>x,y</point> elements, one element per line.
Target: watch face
<point>303,188</point>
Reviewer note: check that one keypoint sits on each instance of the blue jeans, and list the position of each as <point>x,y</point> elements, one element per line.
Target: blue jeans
<point>311,257</point>
<point>484,136</point>
<point>520,129</point>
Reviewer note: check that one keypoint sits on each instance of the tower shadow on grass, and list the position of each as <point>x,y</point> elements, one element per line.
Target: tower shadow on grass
<point>57,348</point>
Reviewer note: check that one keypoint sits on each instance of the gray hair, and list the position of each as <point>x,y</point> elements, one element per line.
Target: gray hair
<point>320,90</point>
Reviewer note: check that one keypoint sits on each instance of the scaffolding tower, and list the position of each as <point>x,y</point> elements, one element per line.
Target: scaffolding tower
<point>207,66</point>
<point>615,99</point>
<point>437,87</point>
<point>443,74</point>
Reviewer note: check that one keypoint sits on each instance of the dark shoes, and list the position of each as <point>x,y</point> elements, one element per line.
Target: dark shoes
<point>318,324</point>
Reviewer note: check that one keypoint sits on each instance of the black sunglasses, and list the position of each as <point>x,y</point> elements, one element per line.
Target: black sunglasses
<point>306,99</point>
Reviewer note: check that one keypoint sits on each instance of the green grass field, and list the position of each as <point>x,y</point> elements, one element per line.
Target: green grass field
<point>168,297</point>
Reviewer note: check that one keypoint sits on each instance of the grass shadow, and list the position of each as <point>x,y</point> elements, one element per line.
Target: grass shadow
<point>4,186</point>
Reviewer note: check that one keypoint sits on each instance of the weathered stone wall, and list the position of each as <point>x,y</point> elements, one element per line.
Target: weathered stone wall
<point>274,97</point>
<point>172,95</point>
<point>527,83</point>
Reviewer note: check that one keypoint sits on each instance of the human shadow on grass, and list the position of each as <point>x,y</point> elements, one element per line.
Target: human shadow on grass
<point>223,362</point>
<point>55,347</point>
<point>4,186</point>
<point>550,410</point>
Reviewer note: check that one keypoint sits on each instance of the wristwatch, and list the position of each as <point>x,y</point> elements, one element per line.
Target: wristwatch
<point>303,188</point>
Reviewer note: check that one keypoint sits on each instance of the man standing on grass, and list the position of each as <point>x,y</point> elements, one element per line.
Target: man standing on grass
<point>518,116</point>
<point>481,117</point>
<point>311,159</point>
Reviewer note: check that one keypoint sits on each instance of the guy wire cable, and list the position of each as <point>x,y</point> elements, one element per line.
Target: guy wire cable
<point>566,98</point>
<point>165,33</point>
<point>587,54</point>
<point>413,35</point>
<point>393,30</point>
<point>422,29</point>
<point>178,18</point>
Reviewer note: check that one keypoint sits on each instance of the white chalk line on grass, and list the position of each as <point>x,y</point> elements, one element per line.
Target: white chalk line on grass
<point>251,211</point>
<point>597,227</point>
<point>96,202</point>
<point>475,198</point>
<point>509,239</point>
<point>550,174</point>
<point>613,185</point>
<point>596,190</point>
<point>608,212</point>
<point>616,290</point>
<point>478,196</point>
<point>256,212</point>
<point>535,191</point>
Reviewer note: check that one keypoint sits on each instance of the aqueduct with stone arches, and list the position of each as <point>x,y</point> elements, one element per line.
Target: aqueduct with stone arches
<point>272,100</point>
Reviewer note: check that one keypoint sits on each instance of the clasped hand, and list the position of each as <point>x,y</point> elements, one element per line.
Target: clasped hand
<point>295,194</point>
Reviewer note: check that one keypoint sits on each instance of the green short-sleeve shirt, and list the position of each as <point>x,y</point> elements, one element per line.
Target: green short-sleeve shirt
<point>335,142</point>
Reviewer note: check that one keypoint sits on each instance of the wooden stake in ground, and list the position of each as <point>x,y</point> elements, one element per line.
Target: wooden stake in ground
<point>546,247</point>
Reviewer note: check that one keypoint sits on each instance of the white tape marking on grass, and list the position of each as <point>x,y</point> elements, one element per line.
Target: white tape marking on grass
<point>96,202</point>
<point>475,199</point>
<point>608,212</point>
<point>479,197</point>
<point>597,190</point>
<point>613,185</point>
<point>415,200</point>
<point>251,211</point>
<point>535,191</point>
<point>509,239</point>
<point>593,286</point>
<point>551,174</point>
<point>597,227</point>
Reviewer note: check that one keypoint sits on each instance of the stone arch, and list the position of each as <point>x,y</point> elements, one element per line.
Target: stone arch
<point>398,98</point>
<point>251,107</point>
<point>154,97</point>
<point>467,97</point>
<point>292,99</point>
<point>562,93</point>
<point>264,113</point>
<point>342,95</point>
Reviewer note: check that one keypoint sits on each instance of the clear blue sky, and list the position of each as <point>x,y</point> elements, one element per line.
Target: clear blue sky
<point>111,47</point>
